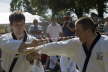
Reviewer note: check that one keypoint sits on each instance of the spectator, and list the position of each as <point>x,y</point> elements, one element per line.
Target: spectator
<point>95,18</point>
<point>54,31</point>
<point>54,63</point>
<point>36,29</point>
<point>45,62</point>
<point>66,64</point>
<point>68,27</point>
<point>106,27</point>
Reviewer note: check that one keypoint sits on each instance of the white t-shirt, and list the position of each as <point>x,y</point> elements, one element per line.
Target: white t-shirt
<point>54,31</point>
<point>67,65</point>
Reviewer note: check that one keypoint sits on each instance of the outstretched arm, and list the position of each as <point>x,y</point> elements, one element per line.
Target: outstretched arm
<point>62,48</point>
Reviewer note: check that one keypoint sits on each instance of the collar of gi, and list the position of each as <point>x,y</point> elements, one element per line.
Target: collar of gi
<point>92,45</point>
<point>24,39</point>
<point>89,52</point>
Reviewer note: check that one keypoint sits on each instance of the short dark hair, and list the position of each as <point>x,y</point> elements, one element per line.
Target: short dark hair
<point>35,20</point>
<point>16,16</point>
<point>87,23</point>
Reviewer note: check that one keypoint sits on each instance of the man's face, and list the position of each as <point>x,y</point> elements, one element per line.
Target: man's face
<point>18,26</point>
<point>81,33</point>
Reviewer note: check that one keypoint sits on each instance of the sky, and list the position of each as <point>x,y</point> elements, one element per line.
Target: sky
<point>5,5</point>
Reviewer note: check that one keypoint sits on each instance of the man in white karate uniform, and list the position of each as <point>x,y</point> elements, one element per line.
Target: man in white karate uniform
<point>89,51</point>
<point>11,44</point>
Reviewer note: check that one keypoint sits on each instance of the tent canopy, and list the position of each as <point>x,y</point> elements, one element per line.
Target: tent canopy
<point>4,17</point>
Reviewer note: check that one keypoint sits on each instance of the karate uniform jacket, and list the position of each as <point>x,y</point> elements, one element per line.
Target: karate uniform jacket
<point>73,48</point>
<point>9,48</point>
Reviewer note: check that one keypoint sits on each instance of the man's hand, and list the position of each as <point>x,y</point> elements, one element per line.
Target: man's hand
<point>33,56</point>
<point>25,47</point>
<point>34,43</point>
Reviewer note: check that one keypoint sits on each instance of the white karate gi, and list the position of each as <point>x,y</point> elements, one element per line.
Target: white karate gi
<point>9,48</point>
<point>73,48</point>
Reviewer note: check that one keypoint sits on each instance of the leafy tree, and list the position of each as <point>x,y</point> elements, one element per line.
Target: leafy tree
<point>60,7</point>
<point>23,5</point>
